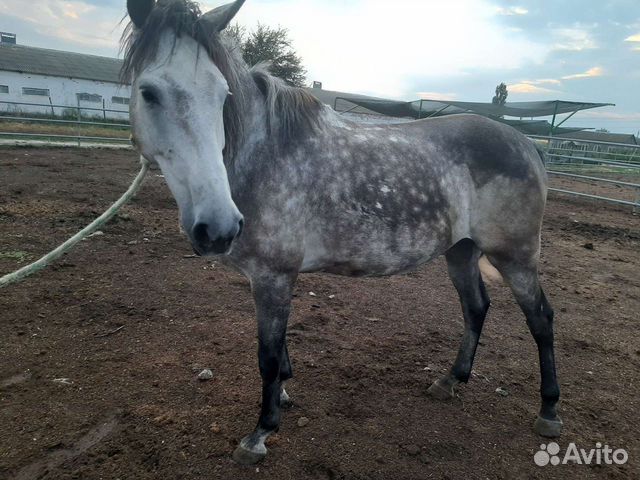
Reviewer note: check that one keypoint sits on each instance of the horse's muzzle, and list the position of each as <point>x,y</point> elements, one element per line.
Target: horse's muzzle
<point>209,241</point>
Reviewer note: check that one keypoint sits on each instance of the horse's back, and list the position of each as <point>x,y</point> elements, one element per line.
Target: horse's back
<point>488,148</point>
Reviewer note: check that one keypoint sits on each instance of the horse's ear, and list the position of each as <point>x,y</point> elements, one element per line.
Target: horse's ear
<point>139,11</point>
<point>219,18</point>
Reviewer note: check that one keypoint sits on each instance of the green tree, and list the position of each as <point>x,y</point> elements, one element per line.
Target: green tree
<point>237,33</point>
<point>501,95</point>
<point>271,45</point>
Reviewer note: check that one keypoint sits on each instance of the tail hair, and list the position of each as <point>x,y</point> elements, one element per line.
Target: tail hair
<point>489,273</point>
<point>541,153</point>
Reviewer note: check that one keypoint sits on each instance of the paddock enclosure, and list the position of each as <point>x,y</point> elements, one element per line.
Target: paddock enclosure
<point>99,354</point>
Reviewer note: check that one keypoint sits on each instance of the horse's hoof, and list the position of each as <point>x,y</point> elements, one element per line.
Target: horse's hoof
<point>548,428</point>
<point>244,456</point>
<point>441,390</point>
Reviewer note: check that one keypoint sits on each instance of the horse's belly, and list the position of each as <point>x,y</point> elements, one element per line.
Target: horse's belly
<point>372,254</point>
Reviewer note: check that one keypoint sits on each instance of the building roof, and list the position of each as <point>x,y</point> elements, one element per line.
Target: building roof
<point>625,138</point>
<point>56,63</point>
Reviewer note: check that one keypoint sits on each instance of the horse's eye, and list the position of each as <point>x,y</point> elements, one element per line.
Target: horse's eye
<point>150,96</point>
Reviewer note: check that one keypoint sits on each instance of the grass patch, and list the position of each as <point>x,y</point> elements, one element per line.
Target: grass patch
<point>8,126</point>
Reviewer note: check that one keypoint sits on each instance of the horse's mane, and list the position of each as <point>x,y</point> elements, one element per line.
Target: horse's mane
<point>291,111</point>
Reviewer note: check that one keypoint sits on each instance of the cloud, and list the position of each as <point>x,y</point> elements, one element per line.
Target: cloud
<point>544,81</point>
<point>364,46</point>
<point>437,96</point>
<point>71,14</point>
<point>609,115</point>
<point>527,88</point>
<point>511,11</point>
<point>84,25</point>
<point>591,73</point>
<point>575,39</point>
<point>534,86</point>
<point>634,39</point>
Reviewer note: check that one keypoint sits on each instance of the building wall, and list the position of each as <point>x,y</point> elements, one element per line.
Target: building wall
<point>63,92</point>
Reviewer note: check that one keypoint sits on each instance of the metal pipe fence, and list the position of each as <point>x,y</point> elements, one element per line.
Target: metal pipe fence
<point>80,124</point>
<point>597,161</point>
<point>568,162</point>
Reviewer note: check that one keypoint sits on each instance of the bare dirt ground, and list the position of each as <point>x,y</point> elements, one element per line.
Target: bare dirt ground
<point>80,399</point>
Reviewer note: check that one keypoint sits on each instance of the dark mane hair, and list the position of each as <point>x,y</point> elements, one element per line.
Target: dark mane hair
<point>290,111</point>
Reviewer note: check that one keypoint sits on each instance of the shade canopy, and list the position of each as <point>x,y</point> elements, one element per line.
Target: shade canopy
<point>433,108</point>
<point>537,127</point>
<point>430,108</point>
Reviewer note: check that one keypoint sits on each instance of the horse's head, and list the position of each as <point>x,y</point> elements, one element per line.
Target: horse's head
<point>177,107</point>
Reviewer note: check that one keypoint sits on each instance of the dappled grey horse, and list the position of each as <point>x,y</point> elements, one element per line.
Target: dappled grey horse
<point>277,184</point>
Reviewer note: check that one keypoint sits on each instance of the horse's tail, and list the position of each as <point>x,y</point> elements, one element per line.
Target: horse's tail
<point>541,153</point>
<point>489,273</point>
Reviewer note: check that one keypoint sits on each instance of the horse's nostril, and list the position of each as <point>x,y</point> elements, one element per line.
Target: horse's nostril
<point>200,233</point>
<point>240,227</point>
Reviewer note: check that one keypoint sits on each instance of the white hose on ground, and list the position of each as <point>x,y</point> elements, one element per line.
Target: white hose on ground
<point>24,272</point>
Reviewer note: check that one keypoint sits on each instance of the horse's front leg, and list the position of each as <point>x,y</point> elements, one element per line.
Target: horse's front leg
<point>272,295</point>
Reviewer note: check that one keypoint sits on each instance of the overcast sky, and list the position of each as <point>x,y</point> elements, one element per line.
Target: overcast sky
<point>579,50</point>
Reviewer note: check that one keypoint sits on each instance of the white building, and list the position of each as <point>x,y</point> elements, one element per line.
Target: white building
<point>39,80</point>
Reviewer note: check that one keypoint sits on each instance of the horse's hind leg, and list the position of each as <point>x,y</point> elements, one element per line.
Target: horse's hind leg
<point>522,277</point>
<point>462,262</point>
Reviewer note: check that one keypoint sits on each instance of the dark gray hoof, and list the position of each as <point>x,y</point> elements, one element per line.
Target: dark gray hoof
<point>548,428</point>
<point>442,389</point>
<point>244,456</point>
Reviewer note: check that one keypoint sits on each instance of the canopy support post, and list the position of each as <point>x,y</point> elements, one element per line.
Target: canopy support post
<point>439,111</point>
<point>347,111</point>
<point>553,122</point>
<point>572,114</point>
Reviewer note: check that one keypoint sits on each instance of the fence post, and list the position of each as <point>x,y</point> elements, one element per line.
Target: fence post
<point>79,117</point>
<point>53,113</point>
<point>104,111</point>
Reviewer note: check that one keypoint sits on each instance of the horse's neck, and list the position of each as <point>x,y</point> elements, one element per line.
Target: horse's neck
<point>254,136</point>
<point>257,148</point>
